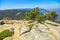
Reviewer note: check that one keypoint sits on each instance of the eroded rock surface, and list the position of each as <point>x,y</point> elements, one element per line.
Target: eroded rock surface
<point>39,31</point>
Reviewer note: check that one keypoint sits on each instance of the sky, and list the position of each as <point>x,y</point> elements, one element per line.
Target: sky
<point>17,4</point>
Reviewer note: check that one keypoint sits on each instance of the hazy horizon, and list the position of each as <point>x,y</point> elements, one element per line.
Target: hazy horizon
<point>18,4</point>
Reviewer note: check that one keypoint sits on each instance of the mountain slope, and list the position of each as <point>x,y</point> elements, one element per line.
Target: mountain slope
<point>12,13</point>
<point>20,13</point>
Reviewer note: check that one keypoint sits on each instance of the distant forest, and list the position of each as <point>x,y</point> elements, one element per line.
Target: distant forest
<point>19,14</point>
<point>12,14</point>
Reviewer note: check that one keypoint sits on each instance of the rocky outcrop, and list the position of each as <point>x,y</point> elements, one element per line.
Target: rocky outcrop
<point>46,31</point>
<point>8,38</point>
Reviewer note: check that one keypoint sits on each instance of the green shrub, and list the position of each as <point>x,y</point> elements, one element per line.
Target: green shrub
<point>31,26</point>
<point>40,18</point>
<point>5,33</point>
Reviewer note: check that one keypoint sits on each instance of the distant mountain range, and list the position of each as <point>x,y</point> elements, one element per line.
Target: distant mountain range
<point>20,13</point>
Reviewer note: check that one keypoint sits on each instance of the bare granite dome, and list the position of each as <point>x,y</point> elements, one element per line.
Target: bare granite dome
<point>46,31</point>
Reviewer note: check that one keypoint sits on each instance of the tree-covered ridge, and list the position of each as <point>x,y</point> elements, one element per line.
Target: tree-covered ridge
<point>20,13</point>
<point>17,13</point>
<point>12,14</point>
